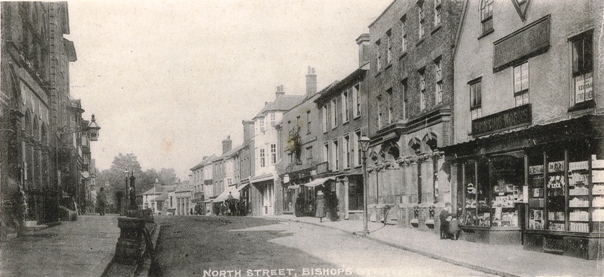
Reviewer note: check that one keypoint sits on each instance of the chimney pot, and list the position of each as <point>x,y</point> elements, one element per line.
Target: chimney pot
<point>280,91</point>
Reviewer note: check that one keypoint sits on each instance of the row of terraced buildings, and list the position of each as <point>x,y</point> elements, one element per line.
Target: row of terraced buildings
<point>492,106</point>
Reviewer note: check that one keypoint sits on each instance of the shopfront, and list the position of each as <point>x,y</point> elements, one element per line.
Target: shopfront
<point>542,187</point>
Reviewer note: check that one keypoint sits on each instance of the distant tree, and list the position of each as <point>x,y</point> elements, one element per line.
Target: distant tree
<point>116,178</point>
<point>167,176</point>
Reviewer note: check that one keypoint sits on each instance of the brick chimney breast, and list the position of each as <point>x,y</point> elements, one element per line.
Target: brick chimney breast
<point>364,53</point>
<point>227,145</point>
<point>311,81</point>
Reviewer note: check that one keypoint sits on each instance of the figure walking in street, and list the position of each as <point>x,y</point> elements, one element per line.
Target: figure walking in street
<point>101,200</point>
<point>320,211</point>
<point>445,217</point>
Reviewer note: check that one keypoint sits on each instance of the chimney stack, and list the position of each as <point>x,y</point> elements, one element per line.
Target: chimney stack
<point>311,82</point>
<point>364,51</point>
<point>280,91</point>
<point>227,144</point>
<point>248,130</point>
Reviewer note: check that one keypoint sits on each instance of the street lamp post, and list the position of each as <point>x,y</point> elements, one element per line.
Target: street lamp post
<point>364,142</point>
<point>124,202</point>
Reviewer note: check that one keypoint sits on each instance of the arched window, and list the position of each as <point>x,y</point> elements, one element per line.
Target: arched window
<point>27,123</point>
<point>44,134</point>
<point>35,132</point>
<point>430,140</point>
<point>415,144</point>
<point>486,16</point>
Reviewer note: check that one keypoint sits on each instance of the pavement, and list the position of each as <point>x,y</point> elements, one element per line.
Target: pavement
<point>84,247</point>
<point>502,260</point>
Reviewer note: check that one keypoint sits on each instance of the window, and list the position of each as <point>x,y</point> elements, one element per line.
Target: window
<point>273,153</point>
<point>262,158</point>
<point>422,90</point>
<point>521,84</point>
<point>357,147</point>
<point>261,124</point>
<point>326,152</point>
<point>356,98</point>
<point>272,119</point>
<point>336,155</point>
<point>309,153</point>
<point>379,111</point>
<point>475,99</point>
<point>346,150</point>
<point>389,44</point>
<point>378,57</point>
<point>405,98</point>
<point>582,51</point>
<point>229,181</point>
<point>486,12</point>
<point>325,118</point>
<point>334,113</point>
<point>437,12</point>
<point>404,33</point>
<point>439,81</point>
<point>308,122</point>
<point>421,14</point>
<point>390,104</point>
<point>345,110</point>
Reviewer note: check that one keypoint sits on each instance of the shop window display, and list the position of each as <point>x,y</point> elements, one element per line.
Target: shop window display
<point>578,194</point>
<point>506,180</point>
<point>597,186</point>
<point>477,211</point>
<point>555,184</point>
<point>536,193</point>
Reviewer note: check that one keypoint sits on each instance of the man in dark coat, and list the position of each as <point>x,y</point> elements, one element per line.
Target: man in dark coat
<point>444,220</point>
<point>101,200</point>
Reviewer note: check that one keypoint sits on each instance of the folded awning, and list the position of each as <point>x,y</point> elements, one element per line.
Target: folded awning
<point>208,201</point>
<point>318,182</point>
<point>225,194</point>
<point>293,187</point>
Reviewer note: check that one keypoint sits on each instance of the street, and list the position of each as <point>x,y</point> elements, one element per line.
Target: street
<point>245,246</point>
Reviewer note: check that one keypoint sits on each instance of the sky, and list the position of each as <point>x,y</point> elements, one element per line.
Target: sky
<point>169,80</point>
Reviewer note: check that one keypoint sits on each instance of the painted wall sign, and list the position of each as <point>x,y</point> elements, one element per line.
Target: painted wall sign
<point>512,118</point>
<point>526,42</point>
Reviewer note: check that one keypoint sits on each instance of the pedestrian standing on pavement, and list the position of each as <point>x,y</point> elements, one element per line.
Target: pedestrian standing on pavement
<point>101,200</point>
<point>445,217</point>
<point>320,212</point>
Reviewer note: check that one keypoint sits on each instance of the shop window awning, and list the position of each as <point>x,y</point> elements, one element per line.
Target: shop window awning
<point>208,201</point>
<point>319,181</point>
<point>225,194</point>
<point>85,174</point>
<point>261,178</point>
<point>242,187</point>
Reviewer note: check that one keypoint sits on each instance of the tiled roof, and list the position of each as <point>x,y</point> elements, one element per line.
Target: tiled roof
<point>233,151</point>
<point>206,161</point>
<point>282,103</point>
